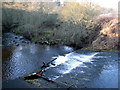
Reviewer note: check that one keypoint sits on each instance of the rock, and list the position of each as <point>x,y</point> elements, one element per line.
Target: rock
<point>16,37</point>
<point>35,42</point>
<point>17,44</point>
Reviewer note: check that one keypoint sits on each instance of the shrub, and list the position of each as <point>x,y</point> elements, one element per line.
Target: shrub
<point>71,24</point>
<point>17,14</point>
<point>77,13</point>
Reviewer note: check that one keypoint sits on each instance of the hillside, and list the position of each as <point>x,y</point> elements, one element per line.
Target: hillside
<point>74,24</point>
<point>108,37</point>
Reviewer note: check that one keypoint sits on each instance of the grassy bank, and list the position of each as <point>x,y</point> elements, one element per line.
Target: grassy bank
<point>73,24</point>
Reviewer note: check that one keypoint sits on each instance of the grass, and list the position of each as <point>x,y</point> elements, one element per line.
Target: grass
<point>46,32</point>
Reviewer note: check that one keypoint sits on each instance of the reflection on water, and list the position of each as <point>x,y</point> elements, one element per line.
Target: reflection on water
<point>108,78</point>
<point>79,68</point>
<point>94,69</point>
<point>85,70</point>
<point>23,59</point>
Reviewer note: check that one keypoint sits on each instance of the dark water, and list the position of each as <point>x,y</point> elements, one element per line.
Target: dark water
<point>26,58</point>
<point>81,69</point>
<point>75,68</point>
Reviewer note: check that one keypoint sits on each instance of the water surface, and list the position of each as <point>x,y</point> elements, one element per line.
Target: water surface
<point>75,68</point>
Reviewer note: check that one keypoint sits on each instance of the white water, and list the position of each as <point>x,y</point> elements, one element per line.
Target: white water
<point>65,64</point>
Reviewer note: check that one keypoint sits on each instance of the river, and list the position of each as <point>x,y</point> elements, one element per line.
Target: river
<point>76,68</point>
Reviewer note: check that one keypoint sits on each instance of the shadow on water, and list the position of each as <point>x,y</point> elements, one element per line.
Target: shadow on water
<point>21,60</point>
<point>81,69</point>
<point>26,58</point>
<point>76,69</point>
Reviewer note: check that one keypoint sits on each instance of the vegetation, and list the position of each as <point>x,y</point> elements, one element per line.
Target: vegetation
<point>108,37</point>
<point>77,13</point>
<point>48,23</point>
<point>34,82</point>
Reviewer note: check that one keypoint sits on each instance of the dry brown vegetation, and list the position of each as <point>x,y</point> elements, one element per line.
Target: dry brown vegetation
<point>108,37</point>
<point>72,24</point>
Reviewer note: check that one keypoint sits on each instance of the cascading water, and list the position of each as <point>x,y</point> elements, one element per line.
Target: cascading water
<point>65,64</point>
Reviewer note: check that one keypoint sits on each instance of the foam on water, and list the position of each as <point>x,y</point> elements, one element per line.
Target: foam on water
<point>65,64</point>
<point>60,60</point>
<point>69,67</point>
<point>74,61</point>
<point>77,57</point>
<point>68,48</point>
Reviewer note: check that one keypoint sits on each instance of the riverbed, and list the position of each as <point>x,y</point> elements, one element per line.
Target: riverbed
<point>73,68</point>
